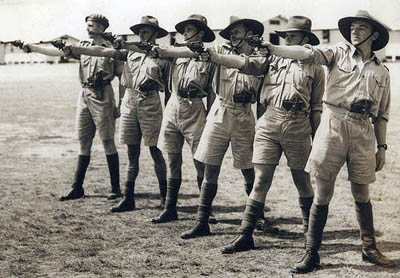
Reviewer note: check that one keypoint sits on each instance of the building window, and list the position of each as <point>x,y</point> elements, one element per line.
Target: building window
<point>274,22</point>
<point>325,36</point>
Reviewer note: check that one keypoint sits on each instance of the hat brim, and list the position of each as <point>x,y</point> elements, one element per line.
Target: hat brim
<point>344,27</point>
<point>209,35</point>
<point>160,31</point>
<point>312,38</point>
<point>254,25</point>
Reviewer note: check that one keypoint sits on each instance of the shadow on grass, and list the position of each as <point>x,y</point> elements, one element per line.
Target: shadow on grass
<point>370,268</point>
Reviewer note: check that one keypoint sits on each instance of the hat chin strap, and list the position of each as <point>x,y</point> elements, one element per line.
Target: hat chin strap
<point>195,34</point>
<point>363,41</point>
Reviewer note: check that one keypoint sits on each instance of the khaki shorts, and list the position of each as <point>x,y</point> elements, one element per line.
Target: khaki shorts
<point>183,121</point>
<point>343,137</point>
<point>279,130</point>
<point>228,124</point>
<point>93,114</point>
<point>141,116</point>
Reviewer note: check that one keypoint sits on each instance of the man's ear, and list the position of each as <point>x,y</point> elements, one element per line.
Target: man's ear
<point>375,36</point>
<point>202,33</point>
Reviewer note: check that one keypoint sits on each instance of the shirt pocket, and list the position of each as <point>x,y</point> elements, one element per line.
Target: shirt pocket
<point>342,74</point>
<point>133,64</point>
<point>302,79</point>
<point>375,87</point>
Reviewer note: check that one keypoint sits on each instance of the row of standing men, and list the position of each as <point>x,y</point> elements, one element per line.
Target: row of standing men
<point>290,85</point>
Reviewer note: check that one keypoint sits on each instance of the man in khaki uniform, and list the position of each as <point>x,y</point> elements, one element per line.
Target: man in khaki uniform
<point>141,110</point>
<point>230,121</point>
<point>358,88</point>
<point>96,105</point>
<point>292,94</point>
<point>185,114</point>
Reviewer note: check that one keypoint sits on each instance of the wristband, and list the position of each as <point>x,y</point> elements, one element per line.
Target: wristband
<point>382,146</point>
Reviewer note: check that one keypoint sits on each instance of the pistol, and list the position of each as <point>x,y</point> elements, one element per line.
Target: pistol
<point>197,47</point>
<point>253,40</point>
<point>16,43</point>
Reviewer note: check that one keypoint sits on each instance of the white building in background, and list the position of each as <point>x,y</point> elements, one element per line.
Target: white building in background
<point>10,54</point>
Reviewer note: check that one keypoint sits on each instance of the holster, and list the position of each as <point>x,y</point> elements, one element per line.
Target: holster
<point>293,104</point>
<point>244,97</point>
<point>190,92</point>
<point>149,85</point>
<point>97,84</point>
<point>361,107</point>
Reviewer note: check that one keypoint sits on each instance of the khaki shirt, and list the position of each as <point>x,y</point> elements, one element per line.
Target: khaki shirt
<point>139,67</point>
<point>230,81</point>
<point>286,78</point>
<point>348,83</point>
<point>90,65</point>
<point>187,70</point>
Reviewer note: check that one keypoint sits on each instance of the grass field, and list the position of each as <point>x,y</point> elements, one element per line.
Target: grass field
<point>42,237</point>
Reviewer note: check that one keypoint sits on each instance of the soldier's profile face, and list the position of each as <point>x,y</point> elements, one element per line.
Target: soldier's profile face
<point>146,33</point>
<point>190,31</point>
<point>93,27</point>
<point>359,31</point>
<point>294,38</point>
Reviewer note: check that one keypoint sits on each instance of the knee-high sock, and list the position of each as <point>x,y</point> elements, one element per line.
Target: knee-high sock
<point>207,195</point>
<point>113,168</point>
<point>251,214</point>
<point>305,206</point>
<point>366,221</point>
<point>318,216</point>
<point>173,187</point>
<point>80,171</point>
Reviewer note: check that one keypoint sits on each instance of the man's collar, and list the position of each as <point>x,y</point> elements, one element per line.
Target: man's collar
<point>354,51</point>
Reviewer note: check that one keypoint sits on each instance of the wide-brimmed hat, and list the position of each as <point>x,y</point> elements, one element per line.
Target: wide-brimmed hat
<point>345,23</point>
<point>99,18</point>
<point>201,22</point>
<point>299,23</point>
<point>254,25</point>
<point>151,21</point>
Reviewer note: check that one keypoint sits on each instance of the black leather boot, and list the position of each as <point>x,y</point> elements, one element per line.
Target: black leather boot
<point>128,202</point>
<point>170,213</point>
<point>311,260</point>
<point>199,229</point>
<point>77,191</point>
<point>113,168</point>
<point>369,252</point>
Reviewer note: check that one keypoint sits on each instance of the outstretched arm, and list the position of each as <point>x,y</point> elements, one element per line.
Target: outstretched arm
<point>99,51</point>
<point>45,50</point>
<point>295,52</point>
<point>175,52</point>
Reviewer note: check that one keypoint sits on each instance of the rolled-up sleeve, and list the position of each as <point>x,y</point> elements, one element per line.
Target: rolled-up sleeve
<point>318,88</point>
<point>321,56</point>
<point>255,65</point>
<point>384,107</point>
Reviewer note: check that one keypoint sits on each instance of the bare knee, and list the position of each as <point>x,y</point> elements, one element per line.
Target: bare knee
<point>211,173</point>
<point>325,189</point>
<point>360,192</point>
<point>199,168</point>
<point>109,146</point>
<point>175,165</point>
<point>156,154</point>
<point>248,175</point>
<point>85,145</point>
<point>303,183</point>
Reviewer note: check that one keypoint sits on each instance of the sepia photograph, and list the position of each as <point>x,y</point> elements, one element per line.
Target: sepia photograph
<point>188,138</point>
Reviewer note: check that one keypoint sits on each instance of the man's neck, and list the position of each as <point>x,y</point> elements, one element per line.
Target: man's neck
<point>364,51</point>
